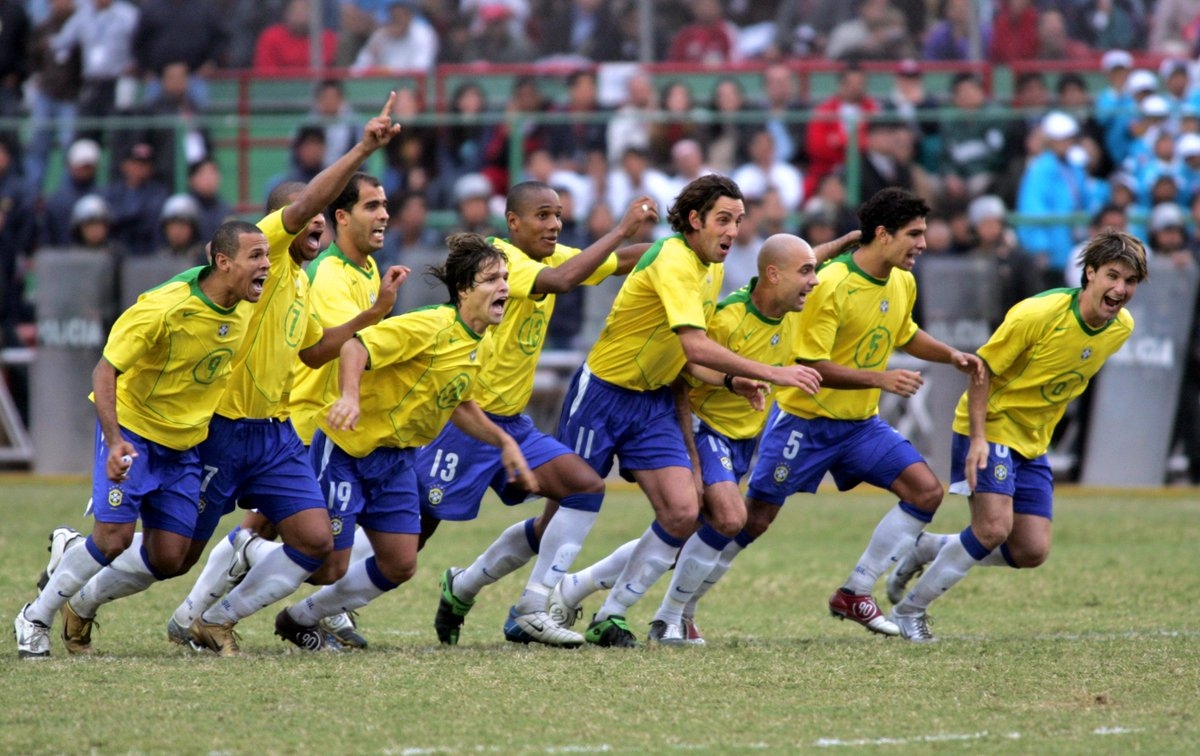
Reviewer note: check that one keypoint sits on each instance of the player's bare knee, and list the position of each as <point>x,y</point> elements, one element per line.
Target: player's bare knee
<point>929,498</point>
<point>992,533</point>
<point>398,570</point>
<point>759,516</point>
<point>728,524</point>
<point>315,545</point>
<point>680,521</point>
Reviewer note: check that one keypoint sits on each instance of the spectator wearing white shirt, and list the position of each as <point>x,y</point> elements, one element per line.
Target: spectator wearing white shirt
<point>629,126</point>
<point>634,176</point>
<point>103,32</point>
<point>405,42</point>
<point>765,170</point>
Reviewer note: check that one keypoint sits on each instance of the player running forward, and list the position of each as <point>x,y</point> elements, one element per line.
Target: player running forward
<point>455,470</point>
<point>401,381</point>
<point>164,367</point>
<point>620,404</point>
<point>1041,357</point>
<point>860,313</point>
<point>755,322</point>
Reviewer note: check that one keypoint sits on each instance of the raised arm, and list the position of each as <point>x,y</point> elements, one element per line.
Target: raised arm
<point>333,338</point>
<point>575,271</point>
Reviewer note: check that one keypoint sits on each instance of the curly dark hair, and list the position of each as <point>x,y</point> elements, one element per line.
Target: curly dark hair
<point>893,208</point>
<point>469,254</point>
<point>700,195</point>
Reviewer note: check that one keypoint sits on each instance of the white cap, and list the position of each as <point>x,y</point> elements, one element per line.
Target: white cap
<point>985,207</point>
<point>1171,66</point>
<point>1116,59</point>
<point>83,152</point>
<point>1155,106</point>
<point>89,207</point>
<point>1167,215</point>
<point>1188,145</point>
<point>1141,80</point>
<point>472,186</point>
<point>180,207</point>
<point>1059,125</point>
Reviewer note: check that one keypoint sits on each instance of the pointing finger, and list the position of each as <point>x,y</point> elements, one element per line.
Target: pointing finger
<point>387,109</point>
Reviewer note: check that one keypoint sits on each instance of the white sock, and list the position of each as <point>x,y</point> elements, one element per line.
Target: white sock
<point>561,542</point>
<point>696,562</point>
<point>259,550</point>
<point>362,548</point>
<point>650,559</point>
<point>213,583</point>
<point>731,550</point>
<point>929,544</point>
<point>76,568</point>
<point>601,576</point>
<point>509,552</point>
<point>271,579</point>
<point>951,566</point>
<point>354,590</point>
<point>125,576</point>
<point>896,529</point>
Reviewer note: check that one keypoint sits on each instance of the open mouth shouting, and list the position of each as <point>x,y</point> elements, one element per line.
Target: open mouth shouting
<point>496,309</point>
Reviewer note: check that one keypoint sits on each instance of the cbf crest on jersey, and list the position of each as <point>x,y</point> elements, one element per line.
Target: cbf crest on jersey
<point>775,340</point>
<point>223,330</point>
<point>1087,352</point>
<point>435,496</point>
<point>883,306</point>
<point>115,497</point>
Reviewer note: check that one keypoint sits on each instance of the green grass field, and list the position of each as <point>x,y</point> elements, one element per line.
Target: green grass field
<point>1098,651</point>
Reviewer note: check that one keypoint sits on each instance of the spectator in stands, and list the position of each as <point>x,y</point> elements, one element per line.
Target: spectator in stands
<point>525,97</point>
<point>248,20</point>
<point>55,91</point>
<point>284,47</point>
<point>834,199</point>
<point>204,186</point>
<point>1105,24</point>
<point>827,136</point>
<point>1122,128</point>
<point>586,28</point>
<point>15,33</point>
<point>909,101</point>
<point>1113,102</point>
<point>631,123</point>
<point>764,170</point>
<point>1055,44</point>
<point>90,225</point>
<point>1031,101</point>
<point>570,142</point>
<point>1173,31</point>
<point>1173,73</point>
<point>183,136</point>
<point>461,143</point>
<point>83,157</point>
<point>681,123</point>
<point>1016,272</point>
<point>710,38</point>
<point>1187,148</point>
<point>729,133</point>
<point>781,105</point>
<point>170,31</point>
<point>17,238</point>
<point>540,166</point>
<point>882,163</point>
<point>629,42</point>
<point>1074,99</point>
<point>306,157</point>
<point>950,37</point>
<point>411,156</point>
<point>136,200</point>
<point>878,32</point>
<point>1014,32</point>
<point>497,39</point>
<point>410,241</point>
<point>103,33</point>
<point>472,197</point>
<point>405,42</point>
<point>333,112</point>
<point>356,21</point>
<point>179,225</point>
<point>632,177</point>
<point>1052,185</point>
<point>972,141</point>
<point>1152,122</point>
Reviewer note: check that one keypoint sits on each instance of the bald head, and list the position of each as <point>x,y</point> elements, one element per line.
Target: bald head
<point>783,251</point>
<point>787,274</point>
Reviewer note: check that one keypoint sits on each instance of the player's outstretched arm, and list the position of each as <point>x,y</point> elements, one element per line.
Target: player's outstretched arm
<point>754,391</point>
<point>104,393</point>
<point>470,419</point>
<point>925,347</point>
<point>705,352</point>
<point>573,272</point>
<point>332,339</point>
<point>344,413</point>
<point>831,249</point>
<point>328,184</point>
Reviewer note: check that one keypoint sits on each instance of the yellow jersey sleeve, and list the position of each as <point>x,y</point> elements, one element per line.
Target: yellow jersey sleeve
<point>338,291</point>
<point>174,349</point>
<point>670,288</point>
<point>1041,357</point>
<point>856,320</point>
<point>423,364</point>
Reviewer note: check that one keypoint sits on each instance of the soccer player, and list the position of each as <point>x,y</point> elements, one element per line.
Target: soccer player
<point>455,470</point>
<point>1041,357</point>
<point>859,314</point>
<point>401,381</point>
<point>756,323</point>
<point>619,402</point>
<point>164,368</point>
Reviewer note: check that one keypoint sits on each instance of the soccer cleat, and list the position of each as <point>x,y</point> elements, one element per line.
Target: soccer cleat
<point>562,613</point>
<point>691,633</point>
<point>537,627</point>
<point>61,539</point>
<point>666,633</point>
<point>612,632</point>
<point>178,634</point>
<point>451,609</point>
<point>309,638</point>
<point>33,638</point>
<point>222,638</point>
<point>861,609</point>
<point>239,563</point>
<point>343,630</point>
<point>907,568</point>
<point>914,627</point>
<point>76,631</point>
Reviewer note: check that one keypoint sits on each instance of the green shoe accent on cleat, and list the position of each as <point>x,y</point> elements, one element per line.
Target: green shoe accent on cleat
<point>451,609</point>
<point>612,632</point>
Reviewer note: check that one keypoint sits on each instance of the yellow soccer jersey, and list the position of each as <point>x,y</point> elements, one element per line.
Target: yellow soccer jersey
<point>338,291</point>
<point>422,365</point>
<point>741,327</point>
<point>506,381</point>
<point>855,320</point>
<point>1042,356</point>
<point>670,288</point>
<point>280,326</point>
<point>174,349</point>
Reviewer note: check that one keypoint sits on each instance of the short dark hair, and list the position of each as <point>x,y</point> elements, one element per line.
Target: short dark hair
<point>700,195</point>
<point>1070,79</point>
<point>519,195</point>
<point>349,195</point>
<point>1111,246</point>
<point>227,238</point>
<point>282,194</point>
<point>469,254</point>
<point>892,208</point>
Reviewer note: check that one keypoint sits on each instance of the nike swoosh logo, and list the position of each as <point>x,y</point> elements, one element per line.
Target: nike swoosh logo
<point>553,568</point>
<point>634,591</point>
<point>538,626</point>
<point>190,313</point>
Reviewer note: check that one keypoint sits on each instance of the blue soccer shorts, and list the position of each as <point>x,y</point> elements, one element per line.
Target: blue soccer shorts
<point>378,491</point>
<point>1028,482</point>
<point>722,459</point>
<point>163,486</point>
